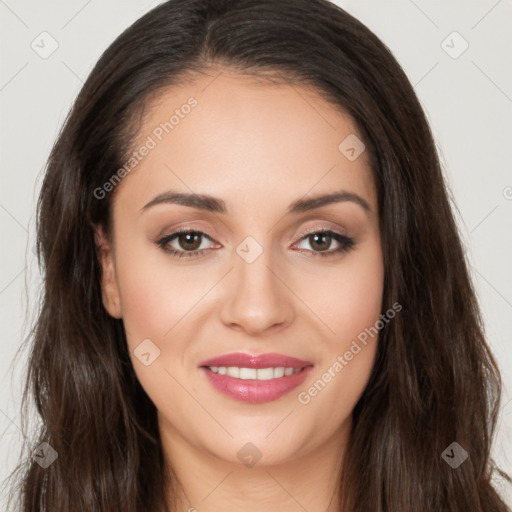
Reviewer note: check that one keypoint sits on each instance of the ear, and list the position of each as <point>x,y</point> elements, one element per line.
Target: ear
<point>109,289</point>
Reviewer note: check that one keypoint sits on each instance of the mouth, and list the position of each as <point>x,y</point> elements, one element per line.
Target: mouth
<point>255,379</point>
<point>254,373</point>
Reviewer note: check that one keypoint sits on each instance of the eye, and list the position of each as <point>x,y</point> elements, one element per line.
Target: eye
<point>188,241</point>
<point>321,241</point>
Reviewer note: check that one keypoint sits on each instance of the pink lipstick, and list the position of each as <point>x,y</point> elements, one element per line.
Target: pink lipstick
<point>255,378</point>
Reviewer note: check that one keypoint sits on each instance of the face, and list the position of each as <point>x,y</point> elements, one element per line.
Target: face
<point>265,270</point>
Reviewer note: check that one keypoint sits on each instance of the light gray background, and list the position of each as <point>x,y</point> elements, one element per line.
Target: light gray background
<point>468,100</point>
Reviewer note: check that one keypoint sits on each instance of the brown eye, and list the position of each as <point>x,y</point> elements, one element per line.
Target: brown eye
<point>184,243</point>
<point>322,241</point>
<point>189,241</point>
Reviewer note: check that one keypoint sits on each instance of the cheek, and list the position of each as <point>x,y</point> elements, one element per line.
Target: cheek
<point>357,302</point>
<point>155,295</point>
<point>156,298</point>
<point>349,298</point>
<point>350,304</point>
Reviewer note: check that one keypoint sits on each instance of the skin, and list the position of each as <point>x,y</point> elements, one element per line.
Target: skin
<point>259,147</point>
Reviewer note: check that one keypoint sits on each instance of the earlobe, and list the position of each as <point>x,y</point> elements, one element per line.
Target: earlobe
<point>109,289</point>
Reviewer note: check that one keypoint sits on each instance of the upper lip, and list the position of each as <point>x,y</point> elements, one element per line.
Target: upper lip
<point>270,360</point>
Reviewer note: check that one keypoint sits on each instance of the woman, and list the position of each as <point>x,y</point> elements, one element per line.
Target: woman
<point>255,293</point>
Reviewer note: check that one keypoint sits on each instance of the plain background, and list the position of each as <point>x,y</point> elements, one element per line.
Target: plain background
<point>466,93</point>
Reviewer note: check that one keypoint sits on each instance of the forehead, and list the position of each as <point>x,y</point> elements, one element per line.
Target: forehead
<point>246,140</point>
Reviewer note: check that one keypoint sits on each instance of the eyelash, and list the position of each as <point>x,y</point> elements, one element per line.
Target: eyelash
<point>346,243</point>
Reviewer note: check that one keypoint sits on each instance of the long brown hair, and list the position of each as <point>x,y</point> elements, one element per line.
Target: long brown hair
<point>434,382</point>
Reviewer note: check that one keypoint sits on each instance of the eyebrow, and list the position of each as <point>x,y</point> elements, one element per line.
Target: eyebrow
<point>217,205</point>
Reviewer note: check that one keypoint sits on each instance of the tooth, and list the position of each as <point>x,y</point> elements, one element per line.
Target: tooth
<point>248,373</point>
<point>265,373</point>
<point>233,371</point>
<point>253,373</point>
<point>278,372</point>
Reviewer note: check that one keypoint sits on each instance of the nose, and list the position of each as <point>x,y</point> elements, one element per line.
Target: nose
<point>257,299</point>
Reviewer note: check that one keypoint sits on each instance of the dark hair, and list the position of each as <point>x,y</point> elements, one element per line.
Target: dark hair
<point>434,381</point>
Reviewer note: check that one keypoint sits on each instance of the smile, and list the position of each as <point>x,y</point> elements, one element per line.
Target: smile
<point>254,373</point>
<point>255,378</point>
<point>255,386</point>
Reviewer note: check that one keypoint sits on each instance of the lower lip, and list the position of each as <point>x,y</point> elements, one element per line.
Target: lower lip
<point>256,391</point>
